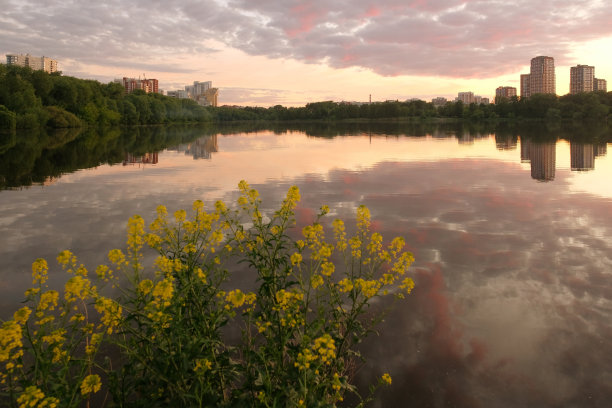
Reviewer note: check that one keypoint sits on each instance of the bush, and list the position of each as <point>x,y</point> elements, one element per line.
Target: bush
<point>168,332</point>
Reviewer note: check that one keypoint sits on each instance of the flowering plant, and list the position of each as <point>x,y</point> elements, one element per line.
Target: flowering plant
<point>181,335</point>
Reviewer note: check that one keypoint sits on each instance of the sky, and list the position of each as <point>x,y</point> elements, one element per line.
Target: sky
<point>290,52</point>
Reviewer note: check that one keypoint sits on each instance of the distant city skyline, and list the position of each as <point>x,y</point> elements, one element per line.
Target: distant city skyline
<point>291,53</point>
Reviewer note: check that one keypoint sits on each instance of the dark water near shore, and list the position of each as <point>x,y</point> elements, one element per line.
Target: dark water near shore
<point>510,228</point>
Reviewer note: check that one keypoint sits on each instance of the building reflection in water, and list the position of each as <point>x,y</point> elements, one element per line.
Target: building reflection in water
<point>201,148</point>
<point>147,158</point>
<point>507,142</point>
<point>542,156</point>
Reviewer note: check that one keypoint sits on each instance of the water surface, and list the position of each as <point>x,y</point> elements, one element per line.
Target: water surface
<point>509,227</point>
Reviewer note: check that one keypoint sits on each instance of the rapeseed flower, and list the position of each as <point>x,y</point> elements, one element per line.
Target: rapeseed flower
<point>91,384</point>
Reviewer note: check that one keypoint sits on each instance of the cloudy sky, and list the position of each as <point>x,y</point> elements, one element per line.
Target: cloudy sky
<point>290,52</point>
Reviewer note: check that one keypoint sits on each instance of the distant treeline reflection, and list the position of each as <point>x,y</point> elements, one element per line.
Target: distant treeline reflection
<point>38,156</point>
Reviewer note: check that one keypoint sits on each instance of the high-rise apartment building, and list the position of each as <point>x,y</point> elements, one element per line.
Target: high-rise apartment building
<point>582,79</point>
<point>198,88</point>
<point>541,77</point>
<point>506,92</point>
<point>466,97</point>
<point>525,89</point>
<point>132,84</point>
<point>600,85</point>
<point>36,63</point>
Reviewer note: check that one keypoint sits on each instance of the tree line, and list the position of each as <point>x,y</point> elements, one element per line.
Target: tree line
<point>35,99</point>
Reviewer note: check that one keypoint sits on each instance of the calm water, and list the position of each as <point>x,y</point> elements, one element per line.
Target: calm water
<point>510,230</point>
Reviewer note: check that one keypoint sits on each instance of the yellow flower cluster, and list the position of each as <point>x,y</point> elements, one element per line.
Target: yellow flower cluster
<point>236,298</point>
<point>290,202</point>
<point>91,384</point>
<point>167,267</point>
<point>202,365</point>
<point>363,219</point>
<point>289,304</point>
<point>110,311</point>
<point>117,257</point>
<point>296,258</point>
<point>314,237</point>
<point>135,234</point>
<point>39,272</point>
<point>322,351</point>
<point>339,234</point>
<point>47,301</point>
<point>369,288</point>
<point>32,396</point>
<point>22,315</point>
<point>163,292</point>
<point>78,287</point>
<point>11,344</point>
<point>386,379</point>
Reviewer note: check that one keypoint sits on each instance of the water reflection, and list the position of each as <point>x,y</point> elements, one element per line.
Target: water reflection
<point>513,298</point>
<point>38,157</point>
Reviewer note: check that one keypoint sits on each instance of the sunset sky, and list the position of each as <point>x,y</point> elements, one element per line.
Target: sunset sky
<point>268,52</point>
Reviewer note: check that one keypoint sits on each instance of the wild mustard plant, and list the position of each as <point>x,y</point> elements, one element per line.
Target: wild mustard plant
<point>172,331</point>
<point>49,348</point>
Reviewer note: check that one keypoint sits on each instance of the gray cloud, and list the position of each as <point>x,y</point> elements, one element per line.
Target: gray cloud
<point>446,37</point>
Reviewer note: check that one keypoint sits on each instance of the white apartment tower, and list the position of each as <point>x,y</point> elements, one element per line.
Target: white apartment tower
<point>36,63</point>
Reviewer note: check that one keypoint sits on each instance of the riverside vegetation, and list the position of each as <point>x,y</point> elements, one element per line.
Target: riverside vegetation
<point>165,339</point>
<point>35,99</point>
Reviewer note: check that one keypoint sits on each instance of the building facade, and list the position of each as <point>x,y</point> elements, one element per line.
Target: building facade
<point>198,88</point>
<point>525,88</point>
<point>600,85</point>
<point>582,79</point>
<point>466,97</point>
<point>132,84</point>
<point>542,76</point>
<point>36,63</point>
<point>506,92</point>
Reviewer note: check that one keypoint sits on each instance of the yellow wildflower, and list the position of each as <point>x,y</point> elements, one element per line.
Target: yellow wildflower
<point>316,281</point>
<point>91,384</point>
<point>296,258</point>
<point>386,379</point>
<point>48,301</point>
<point>110,311</point>
<point>39,272</point>
<point>22,315</point>
<point>327,268</point>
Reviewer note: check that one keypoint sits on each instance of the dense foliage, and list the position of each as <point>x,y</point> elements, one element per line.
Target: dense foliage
<point>184,335</point>
<point>34,99</point>
<point>594,106</point>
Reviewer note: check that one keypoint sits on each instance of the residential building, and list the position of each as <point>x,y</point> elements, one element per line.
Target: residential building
<point>36,63</point>
<point>525,89</point>
<point>600,85</point>
<point>201,92</point>
<point>132,84</point>
<point>180,94</point>
<point>439,101</point>
<point>198,88</point>
<point>466,97</point>
<point>506,92</point>
<point>542,76</point>
<point>582,79</point>
<point>211,95</point>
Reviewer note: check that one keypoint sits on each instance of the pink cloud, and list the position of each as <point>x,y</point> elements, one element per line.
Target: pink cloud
<point>307,15</point>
